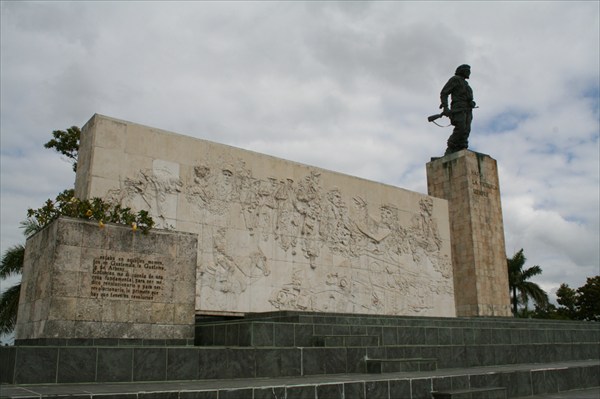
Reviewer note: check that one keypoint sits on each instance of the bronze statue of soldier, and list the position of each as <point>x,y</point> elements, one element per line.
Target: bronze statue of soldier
<point>461,107</point>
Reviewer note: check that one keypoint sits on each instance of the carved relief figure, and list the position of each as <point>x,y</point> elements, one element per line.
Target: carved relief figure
<point>424,229</point>
<point>308,205</point>
<point>287,225</point>
<point>373,232</point>
<point>150,190</point>
<point>249,201</point>
<point>397,242</point>
<point>292,295</point>
<point>226,274</point>
<point>426,240</point>
<point>201,188</point>
<point>335,227</point>
<point>266,206</point>
<point>231,275</point>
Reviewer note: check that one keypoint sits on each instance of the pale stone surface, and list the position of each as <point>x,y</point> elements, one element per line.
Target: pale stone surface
<point>274,234</point>
<point>83,281</point>
<point>469,181</point>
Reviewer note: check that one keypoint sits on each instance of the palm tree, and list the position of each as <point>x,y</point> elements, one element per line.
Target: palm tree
<point>518,282</point>
<point>12,264</point>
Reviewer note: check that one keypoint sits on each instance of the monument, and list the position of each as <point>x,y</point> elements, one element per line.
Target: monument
<point>239,232</point>
<point>469,181</point>
<point>323,273</point>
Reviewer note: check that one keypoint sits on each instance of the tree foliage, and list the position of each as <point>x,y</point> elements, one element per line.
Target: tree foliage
<point>66,142</point>
<point>588,300</point>
<point>12,261</point>
<point>567,299</point>
<point>9,306</point>
<point>11,265</point>
<point>582,303</point>
<point>66,204</point>
<point>522,290</point>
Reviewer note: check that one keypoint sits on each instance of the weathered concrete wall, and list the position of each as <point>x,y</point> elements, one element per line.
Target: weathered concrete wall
<point>469,181</point>
<point>83,281</point>
<point>275,234</point>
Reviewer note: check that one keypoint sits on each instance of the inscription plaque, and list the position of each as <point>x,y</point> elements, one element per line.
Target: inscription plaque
<point>480,186</point>
<point>127,278</point>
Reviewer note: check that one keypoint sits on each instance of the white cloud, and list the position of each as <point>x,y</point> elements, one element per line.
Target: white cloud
<point>301,79</point>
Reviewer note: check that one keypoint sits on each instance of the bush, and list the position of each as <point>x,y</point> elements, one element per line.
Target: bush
<point>66,204</point>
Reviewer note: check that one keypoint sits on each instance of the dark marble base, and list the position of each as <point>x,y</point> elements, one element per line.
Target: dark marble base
<point>482,383</point>
<point>103,342</point>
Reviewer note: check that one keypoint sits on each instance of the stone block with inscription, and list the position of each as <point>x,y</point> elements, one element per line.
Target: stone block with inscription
<point>274,234</point>
<point>469,181</point>
<point>83,281</point>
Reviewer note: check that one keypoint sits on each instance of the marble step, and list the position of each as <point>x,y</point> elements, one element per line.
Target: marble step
<point>256,332</point>
<point>472,393</point>
<point>375,366</point>
<point>346,340</point>
<point>522,380</point>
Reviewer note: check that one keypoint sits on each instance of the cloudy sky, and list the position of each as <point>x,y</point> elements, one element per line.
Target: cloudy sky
<point>345,86</point>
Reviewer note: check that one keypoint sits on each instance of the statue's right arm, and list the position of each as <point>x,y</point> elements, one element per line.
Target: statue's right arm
<point>446,91</point>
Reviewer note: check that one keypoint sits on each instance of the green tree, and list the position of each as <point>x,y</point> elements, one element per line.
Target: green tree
<point>66,142</point>
<point>547,312</point>
<point>588,299</point>
<point>520,287</point>
<point>12,265</point>
<point>567,299</point>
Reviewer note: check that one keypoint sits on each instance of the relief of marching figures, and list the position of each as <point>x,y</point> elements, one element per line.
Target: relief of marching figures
<point>381,254</point>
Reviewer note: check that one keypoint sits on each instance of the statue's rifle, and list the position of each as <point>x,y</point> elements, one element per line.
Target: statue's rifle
<point>433,118</point>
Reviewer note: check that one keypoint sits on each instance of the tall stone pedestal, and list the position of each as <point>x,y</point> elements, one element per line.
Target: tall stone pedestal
<point>469,181</point>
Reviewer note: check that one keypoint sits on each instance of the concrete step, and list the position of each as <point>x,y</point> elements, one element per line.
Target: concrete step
<point>473,393</point>
<point>400,365</point>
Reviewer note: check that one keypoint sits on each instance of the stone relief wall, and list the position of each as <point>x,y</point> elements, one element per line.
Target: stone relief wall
<point>274,235</point>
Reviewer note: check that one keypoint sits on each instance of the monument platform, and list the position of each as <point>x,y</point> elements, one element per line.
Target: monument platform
<point>317,355</point>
